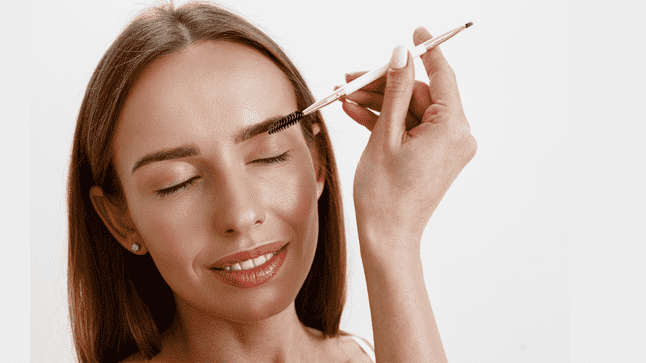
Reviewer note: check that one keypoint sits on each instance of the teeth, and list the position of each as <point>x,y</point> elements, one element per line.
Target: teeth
<point>259,261</point>
<point>249,264</point>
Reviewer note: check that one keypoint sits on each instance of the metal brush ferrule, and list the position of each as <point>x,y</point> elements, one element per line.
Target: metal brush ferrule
<point>325,101</point>
<point>443,38</point>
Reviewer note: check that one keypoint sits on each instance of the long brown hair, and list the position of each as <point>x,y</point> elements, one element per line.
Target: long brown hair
<point>119,303</point>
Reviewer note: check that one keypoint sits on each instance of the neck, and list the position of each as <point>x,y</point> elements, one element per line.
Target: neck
<point>200,337</point>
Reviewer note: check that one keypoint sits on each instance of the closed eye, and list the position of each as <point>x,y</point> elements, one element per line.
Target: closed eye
<point>276,159</point>
<point>164,192</point>
<point>175,188</point>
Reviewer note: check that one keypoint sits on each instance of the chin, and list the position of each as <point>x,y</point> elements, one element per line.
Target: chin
<point>273,298</point>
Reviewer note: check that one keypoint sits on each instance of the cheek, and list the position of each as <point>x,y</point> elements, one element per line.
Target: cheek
<point>293,197</point>
<point>170,239</point>
<point>178,232</point>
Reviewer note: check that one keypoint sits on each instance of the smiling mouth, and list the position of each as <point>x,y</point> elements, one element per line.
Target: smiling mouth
<point>254,276</point>
<point>249,259</point>
<point>249,264</point>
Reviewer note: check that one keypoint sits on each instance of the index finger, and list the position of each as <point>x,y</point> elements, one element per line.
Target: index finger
<point>442,83</point>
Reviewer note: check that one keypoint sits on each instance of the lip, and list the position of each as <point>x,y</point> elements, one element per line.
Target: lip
<point>256,276</point>
<point>247,255</point>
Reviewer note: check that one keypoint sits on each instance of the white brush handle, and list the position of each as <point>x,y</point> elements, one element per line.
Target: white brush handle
<point>381,71</point>
<point>419,50</point>
<point>372,76</point>
<point>367,78</point>
<point>415,52</point>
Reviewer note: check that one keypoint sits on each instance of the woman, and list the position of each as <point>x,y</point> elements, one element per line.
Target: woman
<point>172,177</point>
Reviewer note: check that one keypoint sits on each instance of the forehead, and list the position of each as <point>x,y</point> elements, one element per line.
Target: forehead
<point>206,90</point>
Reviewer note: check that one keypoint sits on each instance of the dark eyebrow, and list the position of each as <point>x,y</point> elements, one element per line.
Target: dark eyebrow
<point>192,150</point>
<point>168,154</point>
<point>256,129</point>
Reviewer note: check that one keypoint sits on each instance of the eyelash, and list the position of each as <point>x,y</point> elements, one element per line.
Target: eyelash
<point>164,192</point>
<point>276,159</point>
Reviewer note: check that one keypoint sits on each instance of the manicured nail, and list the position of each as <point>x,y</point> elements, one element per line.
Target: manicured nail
<point>350,101</point>
<point>399,58</point>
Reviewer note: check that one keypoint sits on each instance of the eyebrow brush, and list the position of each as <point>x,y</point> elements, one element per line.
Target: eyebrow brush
<point>286,122</point>
<point>362,81</point>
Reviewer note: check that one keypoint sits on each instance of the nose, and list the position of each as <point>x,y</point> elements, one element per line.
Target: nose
<point>239,205</point>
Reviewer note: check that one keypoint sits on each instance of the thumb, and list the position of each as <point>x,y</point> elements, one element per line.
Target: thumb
<point>397,95</point>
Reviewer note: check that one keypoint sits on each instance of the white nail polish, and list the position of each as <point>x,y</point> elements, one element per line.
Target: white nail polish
<point>399,58</point>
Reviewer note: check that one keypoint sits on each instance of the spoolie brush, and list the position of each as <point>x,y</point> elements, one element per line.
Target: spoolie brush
<point>285,122</point>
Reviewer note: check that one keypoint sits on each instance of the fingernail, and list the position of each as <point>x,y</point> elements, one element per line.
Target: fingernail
<point>350,101</point>
<point>399,58</point>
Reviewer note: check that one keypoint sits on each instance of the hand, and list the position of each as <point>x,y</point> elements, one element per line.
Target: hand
<point>419,144</point>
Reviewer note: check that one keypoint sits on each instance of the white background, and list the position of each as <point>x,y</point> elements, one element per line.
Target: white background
<point>536,253</point>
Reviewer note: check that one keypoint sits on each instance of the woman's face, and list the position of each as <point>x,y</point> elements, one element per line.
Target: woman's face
<point>219,195</point>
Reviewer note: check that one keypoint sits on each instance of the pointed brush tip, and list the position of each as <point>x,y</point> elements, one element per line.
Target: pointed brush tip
<point>469,24</point>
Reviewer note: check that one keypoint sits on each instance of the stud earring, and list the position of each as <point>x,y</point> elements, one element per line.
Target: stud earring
<point>134,247</point>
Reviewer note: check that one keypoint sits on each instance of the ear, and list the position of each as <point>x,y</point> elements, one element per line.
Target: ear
<point>320,177</point>
<point>117,221</point>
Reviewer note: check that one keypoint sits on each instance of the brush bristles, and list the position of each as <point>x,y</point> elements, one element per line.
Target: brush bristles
<point>286,122</point>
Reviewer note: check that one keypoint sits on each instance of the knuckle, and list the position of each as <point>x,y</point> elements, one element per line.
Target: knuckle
<point>435,111</point>
<point>395,88</point>
<point>446,67</point>
<point>469,146</point>
<point>472,147</point>
<point>451,72</point>
<point>397,83</point>
<point>464,142</point>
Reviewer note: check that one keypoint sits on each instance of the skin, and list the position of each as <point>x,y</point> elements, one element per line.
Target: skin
<point>419,144</point>
<point>204,95</point>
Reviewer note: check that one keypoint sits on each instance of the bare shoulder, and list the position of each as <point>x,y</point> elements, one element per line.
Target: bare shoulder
<point>349,351</point>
